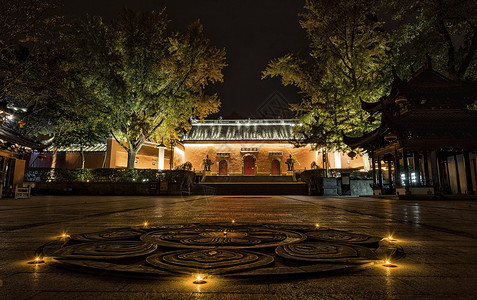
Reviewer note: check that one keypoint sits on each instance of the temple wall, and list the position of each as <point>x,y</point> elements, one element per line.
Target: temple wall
<point>196,152</point>
<point>146,158</point>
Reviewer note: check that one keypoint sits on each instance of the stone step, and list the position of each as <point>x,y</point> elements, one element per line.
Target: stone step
<point>251,188</point>
<point>259,178</point>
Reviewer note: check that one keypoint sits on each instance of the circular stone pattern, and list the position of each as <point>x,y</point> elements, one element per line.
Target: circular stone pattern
<point>105,250</point>
<point>326,252</point>
<point>108,235</point>
<point>223,237</point>
<point>209,261</point>
<point>225,249</point>
<point>342,237</point>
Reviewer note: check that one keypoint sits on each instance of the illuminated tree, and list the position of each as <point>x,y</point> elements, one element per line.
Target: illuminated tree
<point>27,48</point>
<point>147,80</point>
<point>446,29</point>
<point>348,60</point>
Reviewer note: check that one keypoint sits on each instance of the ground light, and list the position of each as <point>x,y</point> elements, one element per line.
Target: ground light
<point>317,225</point>
<point>388,264</point>
<point>390,238</point>
<point>64,235</point>
<point>145,224</point>
<point>199,280</point>
<point>38,260</point>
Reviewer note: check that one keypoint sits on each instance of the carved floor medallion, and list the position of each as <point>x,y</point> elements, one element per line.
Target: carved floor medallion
<point>109,235</point>
<point>106,250</point>
<point>209,261</point>
<point>326,252</point>
<point>341,237</point>
<point>220,249</point>
<point>223,237</point>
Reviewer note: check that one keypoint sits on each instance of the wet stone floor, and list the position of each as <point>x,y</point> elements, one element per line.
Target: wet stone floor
<point>438,237</point>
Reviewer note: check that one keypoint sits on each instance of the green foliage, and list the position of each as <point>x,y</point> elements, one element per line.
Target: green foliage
<point>105,175</point>
<point>446,29</point>
<point>187,166</point>
<point>27,49</point>
<point>148,81</point>
<point>348,60</point>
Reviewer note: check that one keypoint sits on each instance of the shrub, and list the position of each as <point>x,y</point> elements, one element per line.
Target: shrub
<point>105,175</point>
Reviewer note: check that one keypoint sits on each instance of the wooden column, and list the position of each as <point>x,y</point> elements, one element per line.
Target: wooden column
<point>417,167</point>
<point>443,172</point>
<point>426,167</point>
<point>468,175</point>
<point>407,180</point>
<point>380,173</point>
<point>435,173</point>
<point>390,174</point>
<point>459,190</point>
<point>397,169</point>
<point>373,162</point>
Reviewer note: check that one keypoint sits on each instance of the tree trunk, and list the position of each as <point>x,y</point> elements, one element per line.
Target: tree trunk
<point>54,157</point>
<point>82,156</point>
<point>131,158</point>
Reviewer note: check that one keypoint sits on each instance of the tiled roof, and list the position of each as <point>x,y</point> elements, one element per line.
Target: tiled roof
<point>12,137</point>
<point>241,130</point>
<point>76,148</point>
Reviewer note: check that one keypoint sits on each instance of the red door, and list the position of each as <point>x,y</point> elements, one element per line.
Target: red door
<point>248,165</point>
<point>223,167</point>
<point>276,167</point>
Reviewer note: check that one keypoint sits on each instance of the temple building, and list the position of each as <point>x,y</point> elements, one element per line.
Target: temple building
<point>259,147</point>
<point>254,147</point>
<point>427,140</point>
<point>14,150</point>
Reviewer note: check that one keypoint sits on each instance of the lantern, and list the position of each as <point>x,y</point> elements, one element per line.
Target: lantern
<point>21,123</point>
<point>390,137</point>
<point>401,99</point>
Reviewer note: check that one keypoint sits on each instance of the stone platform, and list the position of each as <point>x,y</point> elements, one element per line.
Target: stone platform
<point>439,238</point>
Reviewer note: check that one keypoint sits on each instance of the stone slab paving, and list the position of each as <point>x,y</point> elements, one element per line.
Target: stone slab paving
<point>439,238</point>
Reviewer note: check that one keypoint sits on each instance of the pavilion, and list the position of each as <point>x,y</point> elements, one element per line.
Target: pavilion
<point>427,140</point>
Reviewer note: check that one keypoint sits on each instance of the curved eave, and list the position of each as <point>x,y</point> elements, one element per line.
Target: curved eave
<point>14,138</point>
<point>371,107</point>
<point>362,141</point>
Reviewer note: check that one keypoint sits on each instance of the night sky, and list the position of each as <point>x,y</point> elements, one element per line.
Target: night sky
<point>252,31</point>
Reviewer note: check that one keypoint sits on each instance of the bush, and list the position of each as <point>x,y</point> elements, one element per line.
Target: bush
<point>105,175</point>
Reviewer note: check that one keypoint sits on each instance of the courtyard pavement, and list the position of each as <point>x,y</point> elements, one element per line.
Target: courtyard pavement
<point>438,237</point>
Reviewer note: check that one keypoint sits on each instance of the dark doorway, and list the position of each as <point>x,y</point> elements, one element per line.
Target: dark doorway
<point>223,167</point>
<point>276,167</point>
<point>248,165</point>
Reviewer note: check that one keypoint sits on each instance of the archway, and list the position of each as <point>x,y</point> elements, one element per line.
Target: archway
<point>248,165</point>
<point>223,167</point>
<point>275,167</point>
